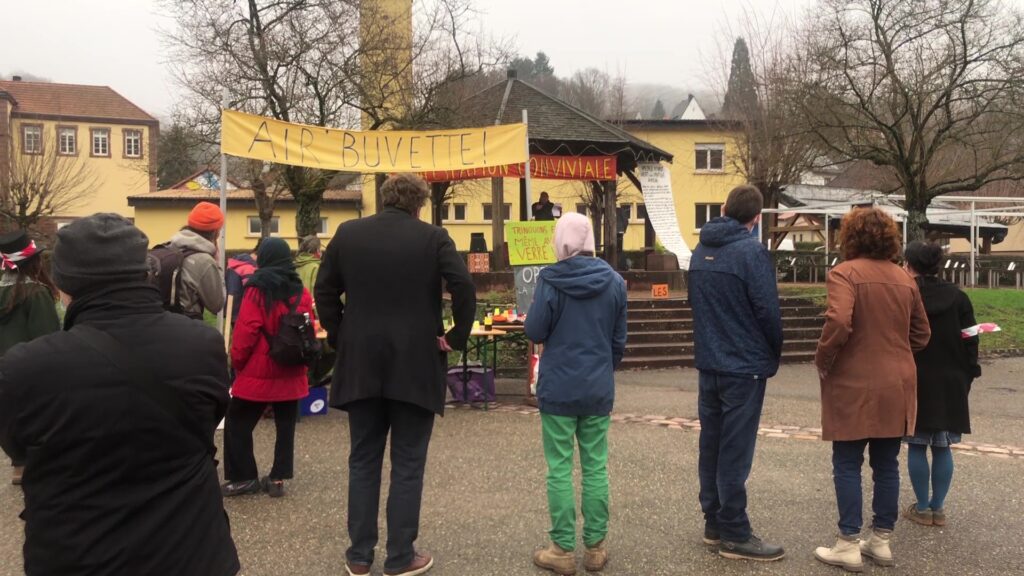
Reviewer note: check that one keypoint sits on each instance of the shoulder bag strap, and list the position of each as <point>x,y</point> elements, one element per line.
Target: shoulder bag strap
<point>160,393</point>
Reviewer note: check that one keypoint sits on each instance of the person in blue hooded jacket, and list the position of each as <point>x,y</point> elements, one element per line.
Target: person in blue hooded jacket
<point>737,328</point>
<point>579,314</point>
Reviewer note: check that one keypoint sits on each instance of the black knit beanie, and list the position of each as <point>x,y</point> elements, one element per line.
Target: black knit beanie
<point>98,251</point>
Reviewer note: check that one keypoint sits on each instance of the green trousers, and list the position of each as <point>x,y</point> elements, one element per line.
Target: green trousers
<point>561,433</point>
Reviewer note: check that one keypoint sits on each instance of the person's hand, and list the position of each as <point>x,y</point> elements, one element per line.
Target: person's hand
<point>442,344</point>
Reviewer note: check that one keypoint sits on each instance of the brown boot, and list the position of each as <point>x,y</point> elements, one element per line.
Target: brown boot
<point>421,564</point>
<point>555,559</point>
<point>939,517</point>
<point>922,517</point>
<point>595,558</point>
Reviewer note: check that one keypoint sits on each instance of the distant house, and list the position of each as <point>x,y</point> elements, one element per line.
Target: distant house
<point>94,125</point>
<point>161,214</point>
<point>692,110</point>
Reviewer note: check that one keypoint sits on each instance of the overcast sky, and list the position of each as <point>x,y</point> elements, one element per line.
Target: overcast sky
<point>115,42</point>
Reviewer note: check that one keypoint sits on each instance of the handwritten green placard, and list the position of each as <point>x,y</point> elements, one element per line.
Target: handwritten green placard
<point>530,243</point>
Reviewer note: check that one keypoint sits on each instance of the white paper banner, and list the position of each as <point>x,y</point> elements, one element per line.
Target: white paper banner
<point>661,209</point>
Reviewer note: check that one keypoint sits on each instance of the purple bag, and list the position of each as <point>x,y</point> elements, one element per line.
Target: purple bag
<point>477,382</point>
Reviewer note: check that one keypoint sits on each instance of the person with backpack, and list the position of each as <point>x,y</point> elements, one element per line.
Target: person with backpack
<point>579,314</point>
<point>185,269</point>
<point>240,268</point>
<point>115,418</point>
<point>273,343</point>
<point>307,261</point>
<point>28,299</point>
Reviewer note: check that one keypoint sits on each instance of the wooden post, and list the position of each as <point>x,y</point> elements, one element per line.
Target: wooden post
<point>437,190</point>
<point>611,222</point>
<point>498,223</point>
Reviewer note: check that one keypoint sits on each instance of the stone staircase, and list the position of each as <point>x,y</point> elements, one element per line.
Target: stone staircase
<point>661,333</point>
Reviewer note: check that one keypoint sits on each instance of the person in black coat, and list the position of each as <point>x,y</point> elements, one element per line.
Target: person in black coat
<point>390,371</point>
<point>114,417</point>
<point>945,370</point>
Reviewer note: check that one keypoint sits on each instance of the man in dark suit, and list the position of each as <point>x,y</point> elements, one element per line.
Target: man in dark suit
<point>390,372</point>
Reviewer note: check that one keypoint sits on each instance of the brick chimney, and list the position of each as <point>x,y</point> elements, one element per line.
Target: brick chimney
<point>16,78</point>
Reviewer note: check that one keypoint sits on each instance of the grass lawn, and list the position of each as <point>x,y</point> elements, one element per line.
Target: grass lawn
<point>1004,307</point>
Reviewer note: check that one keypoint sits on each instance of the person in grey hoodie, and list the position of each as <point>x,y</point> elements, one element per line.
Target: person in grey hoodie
<point>579,314</point>
<point>201,275</point>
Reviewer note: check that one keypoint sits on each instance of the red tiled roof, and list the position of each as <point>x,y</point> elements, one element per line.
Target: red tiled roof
<point>73,100</point>
<point>237,195</point>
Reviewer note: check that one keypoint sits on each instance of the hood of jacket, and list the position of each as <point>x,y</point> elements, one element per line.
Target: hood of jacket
<point>722,231</point>
<point>189,239</point>
<point>304,259</point>
<point>937,294</point>
<point>580,276</point>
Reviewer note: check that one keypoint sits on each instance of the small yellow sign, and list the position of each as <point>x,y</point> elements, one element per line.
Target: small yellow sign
<point>531,243</point>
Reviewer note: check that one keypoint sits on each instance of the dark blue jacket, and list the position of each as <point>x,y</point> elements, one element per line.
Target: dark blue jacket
<point>737,324</point>
<point>579,314</point>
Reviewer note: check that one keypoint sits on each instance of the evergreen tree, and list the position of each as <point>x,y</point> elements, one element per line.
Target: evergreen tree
<point>178,155</point>
<point>741,95</point>
<point>659,110</point>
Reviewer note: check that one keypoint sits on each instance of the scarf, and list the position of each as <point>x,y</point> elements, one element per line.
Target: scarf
<point>275,276</point>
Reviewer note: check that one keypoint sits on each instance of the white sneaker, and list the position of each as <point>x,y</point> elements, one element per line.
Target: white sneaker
<point>845,554</point>
<point>877,547</point>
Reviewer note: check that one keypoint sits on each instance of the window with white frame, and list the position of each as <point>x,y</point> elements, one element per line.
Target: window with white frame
<point>255,229</point>
<point>459,214</point>
<point>100,138</point>
<point>324,227</point>
<point>641,211</point>
<point>67,140</point>
<point>707,212</point>
<point>710,158</point>
<point>133,143</point>
<point>32,139</point>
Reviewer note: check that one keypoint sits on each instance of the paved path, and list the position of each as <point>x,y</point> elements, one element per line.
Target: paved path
<point>485,509</point>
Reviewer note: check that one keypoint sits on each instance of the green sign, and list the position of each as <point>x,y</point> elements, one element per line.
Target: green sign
<point>530,243</point>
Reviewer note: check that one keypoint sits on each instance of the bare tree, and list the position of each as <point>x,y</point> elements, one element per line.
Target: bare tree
<point>322,62</point>
<point>773,145</point>
<point>589,90</point>
<point>44,185</point>
<point>932,90</point>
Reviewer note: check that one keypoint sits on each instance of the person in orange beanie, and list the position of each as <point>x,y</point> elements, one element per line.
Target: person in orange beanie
<point>185,269</point>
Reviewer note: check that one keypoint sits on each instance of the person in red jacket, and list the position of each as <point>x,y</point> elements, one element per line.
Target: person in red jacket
<point>260,380</point>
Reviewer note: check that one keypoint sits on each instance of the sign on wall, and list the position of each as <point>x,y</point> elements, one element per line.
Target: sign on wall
<point>547,167</point>
<point>388,151</point>
<point>661,209</point>
<point>530,243</point>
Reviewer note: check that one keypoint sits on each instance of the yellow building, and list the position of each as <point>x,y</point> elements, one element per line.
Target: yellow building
<point>113,140</point>
<point>161,214</point>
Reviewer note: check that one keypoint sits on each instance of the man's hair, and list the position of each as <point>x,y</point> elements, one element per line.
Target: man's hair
<point>744,203</point>
<point>209,235</point>
<point>406,192</point>
<point>309,245</point>
<point>869,233</point>
<point>923,257</point>
<point>543,194</point>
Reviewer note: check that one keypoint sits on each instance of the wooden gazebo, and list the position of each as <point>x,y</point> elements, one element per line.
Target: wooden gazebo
<point>558,128</point>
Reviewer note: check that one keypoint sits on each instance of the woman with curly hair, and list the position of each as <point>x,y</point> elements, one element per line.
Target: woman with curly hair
<point>874,323</point>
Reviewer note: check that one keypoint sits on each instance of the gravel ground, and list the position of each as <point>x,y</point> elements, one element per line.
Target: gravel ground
<point>485,509</point>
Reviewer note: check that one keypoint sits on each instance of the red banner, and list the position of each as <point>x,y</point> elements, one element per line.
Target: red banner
<point>548,167</point>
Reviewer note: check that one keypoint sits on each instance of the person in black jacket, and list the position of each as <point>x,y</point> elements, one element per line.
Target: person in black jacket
<point>945,370</point>
<point>390,371</point>
<point>737,330</point>
<point>114,417</point>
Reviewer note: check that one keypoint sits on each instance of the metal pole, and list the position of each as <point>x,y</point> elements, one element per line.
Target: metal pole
<point>222,251</point>
<point>526,171</point>
<point>906,216</point>
<point>826,242</point>
<point>974,241</point>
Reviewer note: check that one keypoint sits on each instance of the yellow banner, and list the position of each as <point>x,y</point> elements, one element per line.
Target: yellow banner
<point>389,151</point>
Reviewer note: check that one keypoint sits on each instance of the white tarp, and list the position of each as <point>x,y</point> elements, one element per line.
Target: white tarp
<point>661,209</point>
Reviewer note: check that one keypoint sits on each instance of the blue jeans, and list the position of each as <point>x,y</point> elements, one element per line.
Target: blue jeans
<point>847,460</point>
<point>730,412</point>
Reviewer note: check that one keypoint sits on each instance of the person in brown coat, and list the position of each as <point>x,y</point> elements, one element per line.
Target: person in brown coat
<point>874,324</point>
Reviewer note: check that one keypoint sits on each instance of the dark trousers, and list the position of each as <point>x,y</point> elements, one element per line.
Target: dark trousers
<point>242,417</point>
<point>847,460</point>
<point>369,422</point>
<point>730,412</point>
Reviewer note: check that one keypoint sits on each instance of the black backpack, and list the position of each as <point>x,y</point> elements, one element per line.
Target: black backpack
<point>295,343</point>
<point>164,263</point>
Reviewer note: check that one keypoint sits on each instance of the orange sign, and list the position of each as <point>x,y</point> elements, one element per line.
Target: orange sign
<point>659,290</point>
<point>549,167</point>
